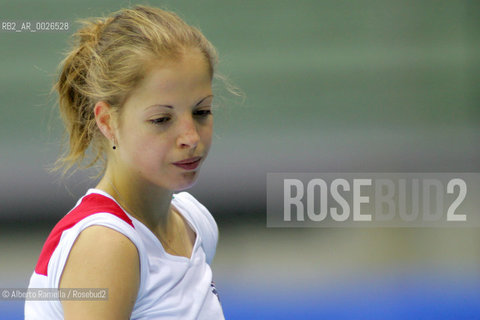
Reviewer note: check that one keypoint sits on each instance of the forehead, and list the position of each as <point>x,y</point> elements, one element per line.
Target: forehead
<point>179,83</point>
<point>189,72</point>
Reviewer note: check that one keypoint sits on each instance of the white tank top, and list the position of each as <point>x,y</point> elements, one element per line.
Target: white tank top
<point>171,287</point>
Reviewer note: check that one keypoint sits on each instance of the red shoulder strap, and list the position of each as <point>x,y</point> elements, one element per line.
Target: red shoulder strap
<point>90,204</point>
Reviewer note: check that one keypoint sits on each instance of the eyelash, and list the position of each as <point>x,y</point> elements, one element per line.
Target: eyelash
<point>202,114</point>
<point>160,121</point>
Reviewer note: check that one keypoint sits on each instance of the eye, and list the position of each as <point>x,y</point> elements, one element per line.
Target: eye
<point>161,120</point>
<point>203,113</point>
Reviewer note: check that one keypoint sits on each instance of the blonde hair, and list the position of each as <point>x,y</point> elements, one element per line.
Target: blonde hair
<point>109,59</point>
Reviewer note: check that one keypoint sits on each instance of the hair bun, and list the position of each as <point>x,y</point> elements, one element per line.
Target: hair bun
<point>90,33</point>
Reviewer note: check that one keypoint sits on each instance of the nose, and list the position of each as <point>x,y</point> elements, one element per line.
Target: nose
<point>188,136</point>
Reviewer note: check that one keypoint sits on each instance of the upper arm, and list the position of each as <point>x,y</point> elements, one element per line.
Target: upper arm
<point>102,258</point>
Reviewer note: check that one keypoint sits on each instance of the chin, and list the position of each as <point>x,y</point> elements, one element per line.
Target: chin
<point>187,182</point>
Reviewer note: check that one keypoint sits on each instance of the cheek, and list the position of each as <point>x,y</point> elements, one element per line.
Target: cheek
<point>144,151</point>
<point>206,134</point>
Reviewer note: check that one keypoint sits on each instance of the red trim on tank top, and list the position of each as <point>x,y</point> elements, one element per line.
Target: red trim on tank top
<point>89,205</point>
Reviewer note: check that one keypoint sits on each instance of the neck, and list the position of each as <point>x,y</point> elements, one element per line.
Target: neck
<point>148,203</point>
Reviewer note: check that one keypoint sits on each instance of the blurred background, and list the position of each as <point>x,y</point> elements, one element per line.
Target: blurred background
<point>331,86</point>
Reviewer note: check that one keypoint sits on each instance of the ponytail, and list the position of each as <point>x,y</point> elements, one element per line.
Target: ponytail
<point>75,102</point>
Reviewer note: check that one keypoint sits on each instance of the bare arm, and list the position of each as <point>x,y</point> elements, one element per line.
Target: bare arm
<point>102,258</point>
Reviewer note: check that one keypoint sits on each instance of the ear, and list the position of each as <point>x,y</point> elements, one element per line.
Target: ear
<point>105,119</point>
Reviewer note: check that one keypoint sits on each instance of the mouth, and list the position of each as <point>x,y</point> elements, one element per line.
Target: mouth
<point>189,164</point>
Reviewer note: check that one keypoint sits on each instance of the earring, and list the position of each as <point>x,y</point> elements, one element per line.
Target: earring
<point>114,147</point>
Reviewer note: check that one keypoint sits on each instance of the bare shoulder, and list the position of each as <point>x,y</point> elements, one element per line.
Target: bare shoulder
<point>102,258</point>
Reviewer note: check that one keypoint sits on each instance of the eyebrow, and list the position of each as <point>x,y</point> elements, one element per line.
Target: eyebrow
<point>171,107</point>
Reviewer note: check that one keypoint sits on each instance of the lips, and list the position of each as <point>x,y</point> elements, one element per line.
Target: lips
<point>189,164</point>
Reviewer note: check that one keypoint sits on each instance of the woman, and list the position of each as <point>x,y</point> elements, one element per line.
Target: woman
<point>137,90</point>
